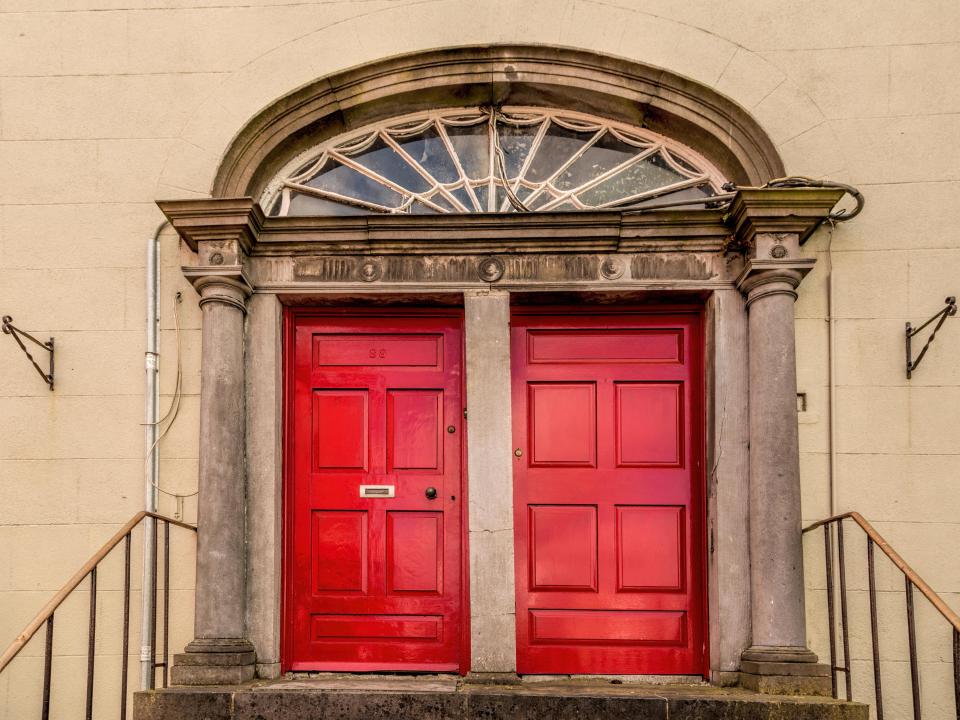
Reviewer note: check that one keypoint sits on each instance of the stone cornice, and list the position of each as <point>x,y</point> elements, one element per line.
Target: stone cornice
<point>779,210</point>
<point>794,211</point>
<point>218,219</point>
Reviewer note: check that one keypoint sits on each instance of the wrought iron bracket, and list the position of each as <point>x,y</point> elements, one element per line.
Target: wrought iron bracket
<point>9,329</point>
<point>913,364</point>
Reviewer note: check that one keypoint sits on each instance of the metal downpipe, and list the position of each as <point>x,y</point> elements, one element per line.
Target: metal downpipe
<point>151,460</point>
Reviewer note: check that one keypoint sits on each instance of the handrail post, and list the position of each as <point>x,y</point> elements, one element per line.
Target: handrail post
<point>47,669</point>
<point>874,632</point>
<point>831,607</point>
<point>912,639</point>
<point>91,641</point>
<point>845,626</point>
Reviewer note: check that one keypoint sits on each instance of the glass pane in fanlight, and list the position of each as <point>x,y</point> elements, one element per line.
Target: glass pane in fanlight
<point>438,199</point>
<point>694,193</point>
<point>643,176</point>
<point>463,196</point>
<point>558,146</point>
<point>502,204</point>
<point>564,207</point>
<point>515,143</point>
<point>541,199</point>
<point>482,193</point>
<point>428,150</point>
<point>472,145</point>
<point>301,204</point>
<point>603,155</point>
<point>385,161</point>
<point>418,208</point>
<point>277,204</point>
<point>344,180</point>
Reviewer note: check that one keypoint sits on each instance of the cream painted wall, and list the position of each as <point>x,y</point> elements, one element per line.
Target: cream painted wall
<point>108,105</point>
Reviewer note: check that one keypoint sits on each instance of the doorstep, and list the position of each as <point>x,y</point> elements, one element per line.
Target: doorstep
<point>446,697</point>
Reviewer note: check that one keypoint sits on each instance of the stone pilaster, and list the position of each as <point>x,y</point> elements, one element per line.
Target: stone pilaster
<point>221,652</point>
<point>770,229</point>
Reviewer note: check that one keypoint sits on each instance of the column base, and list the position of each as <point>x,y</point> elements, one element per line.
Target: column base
<point>214,661</point>
<point>784,671</point>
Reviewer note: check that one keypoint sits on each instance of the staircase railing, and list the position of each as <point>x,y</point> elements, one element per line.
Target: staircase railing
<point>89,572</point>
<point>833,530</point>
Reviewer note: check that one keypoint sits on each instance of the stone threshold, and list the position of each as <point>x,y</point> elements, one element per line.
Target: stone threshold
<point>444,697</point>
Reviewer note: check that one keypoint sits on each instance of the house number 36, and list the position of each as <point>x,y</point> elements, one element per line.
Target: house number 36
<point>381,353</point>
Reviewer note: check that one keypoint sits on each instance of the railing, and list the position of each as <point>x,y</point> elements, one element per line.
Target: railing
<point>89,571</point>
<point>911,580</point>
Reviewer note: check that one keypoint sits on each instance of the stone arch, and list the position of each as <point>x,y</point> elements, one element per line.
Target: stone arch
<point>618,89</point>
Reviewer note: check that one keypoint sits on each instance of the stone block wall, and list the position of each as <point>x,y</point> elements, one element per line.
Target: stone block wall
<point>109,105</point>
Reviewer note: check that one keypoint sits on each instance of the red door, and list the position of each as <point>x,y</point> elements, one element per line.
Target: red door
<point>608,501</point>
<point>374,493</point>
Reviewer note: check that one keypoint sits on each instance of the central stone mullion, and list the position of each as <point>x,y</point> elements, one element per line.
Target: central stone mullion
<point>489,458</point>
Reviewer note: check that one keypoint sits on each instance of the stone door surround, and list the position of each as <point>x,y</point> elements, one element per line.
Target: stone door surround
<point>743,264</point>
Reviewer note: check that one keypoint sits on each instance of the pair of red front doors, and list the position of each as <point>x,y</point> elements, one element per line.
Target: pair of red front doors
<point>607,503</point>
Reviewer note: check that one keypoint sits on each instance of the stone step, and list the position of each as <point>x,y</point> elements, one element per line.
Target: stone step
<point>450,698</point>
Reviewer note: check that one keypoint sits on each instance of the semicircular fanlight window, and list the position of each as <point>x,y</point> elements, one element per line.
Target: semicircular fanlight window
<point>481,160</point>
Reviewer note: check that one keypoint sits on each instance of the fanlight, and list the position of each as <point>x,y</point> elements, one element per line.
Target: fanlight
<point>483,160</point>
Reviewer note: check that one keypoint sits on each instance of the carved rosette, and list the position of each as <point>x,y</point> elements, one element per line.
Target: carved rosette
<point>490,269</point>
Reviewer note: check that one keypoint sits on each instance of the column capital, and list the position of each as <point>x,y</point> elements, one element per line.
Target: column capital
<point>213,220</point>
<point>218,284</point>
<point>789,211</point>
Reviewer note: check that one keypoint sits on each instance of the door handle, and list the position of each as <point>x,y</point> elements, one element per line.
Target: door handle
<point>431,493</point>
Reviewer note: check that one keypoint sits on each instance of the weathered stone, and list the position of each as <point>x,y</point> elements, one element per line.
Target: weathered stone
<point>345,698</point>
<point>787,684</point>
<point>214,674</point>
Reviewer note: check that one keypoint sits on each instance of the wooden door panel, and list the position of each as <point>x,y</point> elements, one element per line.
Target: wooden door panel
<point>649,424</point>
<point>563,424</point>
<point>640,527</point>
<point>340,429</point>
<point>339,551</point>
<point>608,493</point>
<point>414,552</point>
<point>374,582</point>
<point>414,429</point>
<point>563,547</point>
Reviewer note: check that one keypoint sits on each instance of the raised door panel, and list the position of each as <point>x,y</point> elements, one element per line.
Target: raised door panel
<point>563,547</point>
<point>650,548</point>
<point>414,429</point>
<point>340,429</point>
<point>649,424</point>
<point>563,424</point>
<point>414,552</point>
<point>339,551</point>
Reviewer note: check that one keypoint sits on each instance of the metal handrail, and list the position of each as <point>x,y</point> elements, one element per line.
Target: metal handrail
<point>23,638</point>
<point>911,581</point>
<point>928,592</point>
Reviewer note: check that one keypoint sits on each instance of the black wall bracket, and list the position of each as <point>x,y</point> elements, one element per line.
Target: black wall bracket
<point>9,329</point>
<point>950,309</point>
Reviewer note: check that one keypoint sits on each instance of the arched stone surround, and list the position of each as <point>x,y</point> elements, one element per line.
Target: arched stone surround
<point>288,260</point>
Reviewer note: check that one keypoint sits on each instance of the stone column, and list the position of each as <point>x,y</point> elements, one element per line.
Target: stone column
<point>490,460</point>
<point>221,653</point>
<point>778,660</point>
<point>769,225</point>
